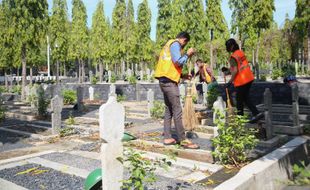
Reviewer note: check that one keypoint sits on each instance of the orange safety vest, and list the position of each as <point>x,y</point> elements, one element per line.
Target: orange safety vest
<point>244,75</point>
<point>165,66</point>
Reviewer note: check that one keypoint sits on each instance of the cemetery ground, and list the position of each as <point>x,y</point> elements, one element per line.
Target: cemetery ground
<point>60,148</point>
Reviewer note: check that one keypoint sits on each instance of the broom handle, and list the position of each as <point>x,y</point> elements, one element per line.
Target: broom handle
<point>227,94</point>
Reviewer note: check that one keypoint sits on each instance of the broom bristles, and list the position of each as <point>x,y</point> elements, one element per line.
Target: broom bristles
<point>190,120</point>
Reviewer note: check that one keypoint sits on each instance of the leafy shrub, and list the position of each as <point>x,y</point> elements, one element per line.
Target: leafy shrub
<point>234,140</point>
<point>144,77</point>
<point>141,170</point>
<point>288,70</point>
<point>158,110</point>
<point>263,77</point>
<point>94,80</point>
<point>121,98</point>
<point>212,94</point>
<point>113,78</point>
<point>276,73</point>
<point>301,175</point>
<point>42,102</point>
<point>17,89</point>
<point>132,80</point>
<point>2,89</point>
<point>69,96</point>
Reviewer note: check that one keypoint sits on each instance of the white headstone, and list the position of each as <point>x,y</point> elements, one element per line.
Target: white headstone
<point>111,122</point>
<point>219,107</point>
<point>112,90</point>
<point>129,73</point>
<point>150,101</point>
<point>148,73</point>
<point>109,76</point>
<point>205,93</point>
<point>91,93</point>
<point>141,75</point>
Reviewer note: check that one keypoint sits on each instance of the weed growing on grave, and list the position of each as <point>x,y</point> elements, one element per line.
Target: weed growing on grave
<point>158,110</point>
<point>113,78</point>
<point>66,131</point>
<point>132,80</point>
<point>263,77</point>
<point>3,89</point>
<point>234,140</point>
<point>70,120</point>
<point>69,96</point>
<point>121,98</point>
<point>17,89</point>
<point>301,175</point>
<point>94,80</point>
<point>141,170</point>
<point>144,77</point>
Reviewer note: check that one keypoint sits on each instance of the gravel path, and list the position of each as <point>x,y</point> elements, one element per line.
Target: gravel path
<point>48,180</point>
<point>73,160</point>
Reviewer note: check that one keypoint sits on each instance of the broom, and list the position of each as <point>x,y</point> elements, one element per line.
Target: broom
<point>229,106</point>
<point>190,120</point>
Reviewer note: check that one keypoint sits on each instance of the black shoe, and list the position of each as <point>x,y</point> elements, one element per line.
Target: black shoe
<point>256,118</point>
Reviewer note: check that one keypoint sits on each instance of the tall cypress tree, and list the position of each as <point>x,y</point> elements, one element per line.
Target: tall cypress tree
<point>144,30</point>
<point>164,23</point>
<point>99,37</point>
<point>178,23</point>
<point>119,31</point>
<point>131,34</point>
<point>79,36</point>
<point>59,34</point>
<point>29,19</point>
<point>302,25</point>
<point>218,29</point>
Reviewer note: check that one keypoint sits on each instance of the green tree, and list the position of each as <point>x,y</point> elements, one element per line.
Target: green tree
<point>178,23</point>
<point>119,31</point>
<point>262,17</point>
<point>29,19</point>
<point>99,37</point>
<point>302,25</point>
<point>78,48</point>
<point>218,29</point>
<point>131,34</point>
<point>145,45</point>
<point>164,23</point>
<point>58,32</point>
<point>6,39</point>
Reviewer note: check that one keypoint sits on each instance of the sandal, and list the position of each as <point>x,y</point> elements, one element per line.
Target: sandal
<point>187,144</point>
<point>171,141</point>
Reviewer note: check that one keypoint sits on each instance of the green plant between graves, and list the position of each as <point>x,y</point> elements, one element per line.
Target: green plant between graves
<point>132,80</point>
<point>69,96</point>
<point>141,170</point>
<point>263,77</point>
<point>94,80</point>
<point>66,131</point>
<point>234,140</point>
<point>70,120</point>
<point>121,98</point>
<point>42,103</point>
<point>301,175</point>
<point>212,95</point>
<point>276,73</point>
<point>158,110</point>
<point>17,89</point>
<point>113,78</point>
<point>3,89</point>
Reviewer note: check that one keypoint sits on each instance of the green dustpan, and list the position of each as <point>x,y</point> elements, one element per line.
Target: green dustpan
<point>128,137</point>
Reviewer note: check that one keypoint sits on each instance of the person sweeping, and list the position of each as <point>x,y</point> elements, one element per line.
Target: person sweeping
<point>168,72</point>
<point>242,78</point>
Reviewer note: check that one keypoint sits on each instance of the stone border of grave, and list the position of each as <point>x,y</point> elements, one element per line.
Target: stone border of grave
<point>272,170</point>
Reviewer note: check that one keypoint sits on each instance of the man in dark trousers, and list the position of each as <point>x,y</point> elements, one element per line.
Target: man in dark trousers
<point>168,72</point>
<point>242,78</point>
